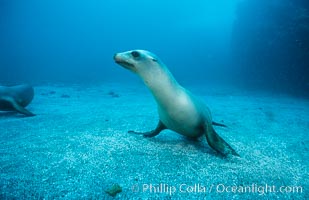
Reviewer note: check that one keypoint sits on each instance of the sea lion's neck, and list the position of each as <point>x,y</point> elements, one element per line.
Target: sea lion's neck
<point>162,85</point>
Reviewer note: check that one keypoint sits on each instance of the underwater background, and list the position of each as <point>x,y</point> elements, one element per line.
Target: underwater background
<point>247,59</point>
<point>256,44</point>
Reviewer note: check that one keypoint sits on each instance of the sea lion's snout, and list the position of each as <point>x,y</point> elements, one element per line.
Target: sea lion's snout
<point>115,55</point>
<point>123,61</point>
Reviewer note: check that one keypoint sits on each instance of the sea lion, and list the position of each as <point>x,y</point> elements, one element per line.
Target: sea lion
<point>178,109</point>
<point>16,98</point>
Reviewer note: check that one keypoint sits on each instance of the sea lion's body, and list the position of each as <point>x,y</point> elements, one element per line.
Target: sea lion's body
<point>178,109</point>
<point>16,98</point>
<point>182,114</point>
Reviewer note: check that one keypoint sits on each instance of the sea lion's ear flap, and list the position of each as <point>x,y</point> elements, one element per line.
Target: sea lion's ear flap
<point>154,60</point>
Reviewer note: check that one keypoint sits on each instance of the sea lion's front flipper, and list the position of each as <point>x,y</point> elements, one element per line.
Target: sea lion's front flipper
<point>217,143</point>
<point>218,124</point>
<point>21,109</point>
<point>152,133</point>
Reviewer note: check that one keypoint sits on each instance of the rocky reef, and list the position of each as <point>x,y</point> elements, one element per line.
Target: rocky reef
<point>270,44</point>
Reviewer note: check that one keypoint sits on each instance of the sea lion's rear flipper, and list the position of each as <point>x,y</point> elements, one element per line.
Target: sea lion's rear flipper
<point>218,124</point>
<point>152,133</point>
<point>217,143</point>
<point>21,109</point>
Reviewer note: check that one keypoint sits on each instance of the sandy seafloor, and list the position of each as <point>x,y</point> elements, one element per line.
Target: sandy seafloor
<point>78,146</point>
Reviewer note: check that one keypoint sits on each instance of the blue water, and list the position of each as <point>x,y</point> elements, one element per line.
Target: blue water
<point>252,45</point>
<point>50,40</point>
<point>260,44</point>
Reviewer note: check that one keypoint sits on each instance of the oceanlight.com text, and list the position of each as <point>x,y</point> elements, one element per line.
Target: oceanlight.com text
<point>260,189</point>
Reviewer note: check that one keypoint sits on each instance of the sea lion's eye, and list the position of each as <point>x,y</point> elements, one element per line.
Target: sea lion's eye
<point>135,54</point>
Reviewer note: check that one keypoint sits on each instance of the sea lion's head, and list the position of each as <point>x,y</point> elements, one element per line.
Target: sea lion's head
<point>137,61</point>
